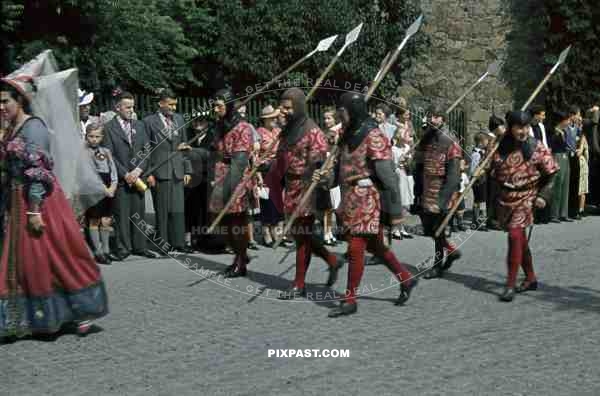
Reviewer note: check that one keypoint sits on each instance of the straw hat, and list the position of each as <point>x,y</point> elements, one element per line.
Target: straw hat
<point>269,112</point>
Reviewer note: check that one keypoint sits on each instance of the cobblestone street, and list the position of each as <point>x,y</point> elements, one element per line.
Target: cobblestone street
<point>173,332</point>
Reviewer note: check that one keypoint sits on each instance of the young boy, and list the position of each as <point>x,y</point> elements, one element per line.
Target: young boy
<point>458,218</point>
<point>480,187</point>
<point>99,216</point>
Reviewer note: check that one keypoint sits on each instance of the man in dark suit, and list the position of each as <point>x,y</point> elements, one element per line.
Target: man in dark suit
<point>128,141</point>
<point>538,129</point>
<point>167,131</point>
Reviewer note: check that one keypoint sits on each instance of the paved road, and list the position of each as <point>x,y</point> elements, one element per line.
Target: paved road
<point>171,332</point>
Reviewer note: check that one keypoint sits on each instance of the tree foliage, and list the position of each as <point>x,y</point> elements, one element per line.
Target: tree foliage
<point>574,22</point>
<point>199,46</point>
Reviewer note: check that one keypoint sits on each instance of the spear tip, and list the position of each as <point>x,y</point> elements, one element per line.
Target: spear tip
<point>414,28</point>
<point>326,43</point>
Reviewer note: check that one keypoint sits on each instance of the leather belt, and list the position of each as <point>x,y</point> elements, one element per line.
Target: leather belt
<point>362,182</point>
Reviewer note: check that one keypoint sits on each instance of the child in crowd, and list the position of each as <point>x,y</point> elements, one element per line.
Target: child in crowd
<point>458,218</point>
<point>331,201</point>
<point>480,187</point>
<point>99,216</point>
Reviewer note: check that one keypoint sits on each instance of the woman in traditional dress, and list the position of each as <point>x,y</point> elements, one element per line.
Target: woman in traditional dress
<point>583,155</point>
<point>48,277</point>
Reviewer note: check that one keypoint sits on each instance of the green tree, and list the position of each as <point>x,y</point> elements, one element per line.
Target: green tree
<point>130,42</point>
<point>574,22</point>
<point>259,39</point>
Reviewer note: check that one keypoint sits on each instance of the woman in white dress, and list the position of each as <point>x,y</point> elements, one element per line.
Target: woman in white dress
<point>402,154</point>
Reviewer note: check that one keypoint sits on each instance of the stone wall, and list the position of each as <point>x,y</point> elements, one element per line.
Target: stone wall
<point>466,36</point>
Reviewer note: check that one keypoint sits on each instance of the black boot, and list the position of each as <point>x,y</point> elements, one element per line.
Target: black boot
<point>434,272</point>
<point>405,290</point>
<point>508,294</point>
<point>343,309</point>
<point>292,293</point>
<point>451,258</point>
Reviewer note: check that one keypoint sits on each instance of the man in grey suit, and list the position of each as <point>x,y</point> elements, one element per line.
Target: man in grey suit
<point>167,132</point>
<point>129,143</point>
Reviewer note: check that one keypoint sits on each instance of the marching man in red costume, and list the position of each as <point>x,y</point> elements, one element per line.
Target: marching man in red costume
<point>437,185</point>
<point>302,150</point>
<point>524,170</point>
<point>365,168</point>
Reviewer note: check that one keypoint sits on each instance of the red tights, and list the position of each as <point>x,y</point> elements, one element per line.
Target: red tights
<point>306,245</point>
<point>518,255</point>
<point>356,255</point>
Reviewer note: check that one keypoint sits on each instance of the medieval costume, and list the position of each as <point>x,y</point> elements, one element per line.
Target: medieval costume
<point>365,168</point>
<point>437,182</point>
<point>47,276</point>
<point>228,154</point>
<point>524,170</point>
<point>302,150</point>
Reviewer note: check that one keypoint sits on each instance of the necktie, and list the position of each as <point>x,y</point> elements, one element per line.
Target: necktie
<point>128,131</point>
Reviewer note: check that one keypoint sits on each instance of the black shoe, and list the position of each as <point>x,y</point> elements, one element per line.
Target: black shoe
<point>252,245</point>
<point>185,250</point>
<point>578,217</point>
<point>462,228</point>
<point>124,254</point>
<point>526,286</point>
<point>566,219</point>
<point>145,253</point>
<point>397,235</point>
<point>479,227</point>
<point>107,259</point>
<point>116,257</point>
<point>343,309</point>
<point>555,221</point>
<point>433,272</point>
<point>268,244</point>
<point>100,259</point>
<point>333,271</point>
<point>374,260</point>
<point>405,290</point>
<point>451,258</point>
<point>235,272</point>
<point>286,242</point>
<point>406,235</point>
<point>508,294</point>
<point>292,293</point>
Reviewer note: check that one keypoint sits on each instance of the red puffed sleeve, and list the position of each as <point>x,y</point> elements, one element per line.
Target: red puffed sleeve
<point>241,140</point>
<point>454,151</point>
<point>545,162</point>
<point>379,146</point>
